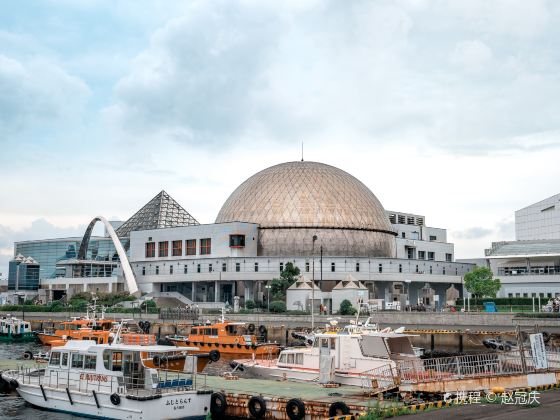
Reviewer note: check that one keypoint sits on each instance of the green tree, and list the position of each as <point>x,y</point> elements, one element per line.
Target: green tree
<point>288,276</point>
<point>277,306</point>
<point>481,283</point>
<point>346,308</point>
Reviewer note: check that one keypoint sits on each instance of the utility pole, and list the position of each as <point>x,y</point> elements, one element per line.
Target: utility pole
<point>313,283</point>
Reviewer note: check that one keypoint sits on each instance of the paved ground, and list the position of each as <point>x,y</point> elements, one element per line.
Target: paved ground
<point>549,409</point>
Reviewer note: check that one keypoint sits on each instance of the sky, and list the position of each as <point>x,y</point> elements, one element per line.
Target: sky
<point>444,109</point>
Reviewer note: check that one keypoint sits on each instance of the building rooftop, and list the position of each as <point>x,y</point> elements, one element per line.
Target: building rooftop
<point>523,249</point>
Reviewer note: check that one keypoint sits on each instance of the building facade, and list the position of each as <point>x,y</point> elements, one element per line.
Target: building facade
<point>320,218</point>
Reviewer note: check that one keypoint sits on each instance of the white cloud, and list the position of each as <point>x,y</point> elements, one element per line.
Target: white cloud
<point>37,91</point>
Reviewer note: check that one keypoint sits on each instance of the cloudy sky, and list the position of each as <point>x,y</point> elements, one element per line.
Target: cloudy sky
<point>448,109</point>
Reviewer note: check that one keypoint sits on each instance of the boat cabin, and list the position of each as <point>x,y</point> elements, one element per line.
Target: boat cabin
<point>13,326</point>
<point>85,365</point>
<point>357,352</point>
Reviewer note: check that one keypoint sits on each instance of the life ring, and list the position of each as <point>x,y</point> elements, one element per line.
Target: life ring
<point>251,328</point>
<point>263,330</point>
<point>214,355</point>
<point>115,399</point>
<point>27,355</point>
<point>257,407</point>
<point>218,404</point>
<point>216,344</point>
<point>338,408</point>
<point>295,409</point>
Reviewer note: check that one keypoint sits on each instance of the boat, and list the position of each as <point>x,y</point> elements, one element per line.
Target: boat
<point>228,337</point>
<point>343,357</point>
<point>116,381</point>
<point>15,330</point>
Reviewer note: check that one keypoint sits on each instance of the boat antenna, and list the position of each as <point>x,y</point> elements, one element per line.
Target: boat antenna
<point>302,150</point>
<point>223,314</point>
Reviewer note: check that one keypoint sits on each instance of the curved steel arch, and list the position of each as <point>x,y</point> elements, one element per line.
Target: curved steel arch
<point>125,264</point>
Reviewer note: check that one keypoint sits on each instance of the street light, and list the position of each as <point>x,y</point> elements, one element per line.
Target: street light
<point>313,283</point>
<point>407,293</point>
<point>268,287</point>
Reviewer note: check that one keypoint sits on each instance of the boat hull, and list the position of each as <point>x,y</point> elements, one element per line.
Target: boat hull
<point>225,348</point>
<point>172,406</point>
<point>18,338</point>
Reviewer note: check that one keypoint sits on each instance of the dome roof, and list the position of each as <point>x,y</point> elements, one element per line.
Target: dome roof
<point>305,194</point>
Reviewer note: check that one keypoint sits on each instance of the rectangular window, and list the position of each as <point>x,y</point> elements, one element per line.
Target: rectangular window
<point>417,268</point>
<point>400,268</point>
<point>177,248</point>
<point>209,268</point>
<point>143,271</point>
<point>185,269</point>
<point>198,268</point>
<point>236,241</point>
<point>380,268</point>
<point>333,267</point>
<point>420,221</point>
<point>89,362</point>
<point>444,271</point>
<point>55,359</point>
<point>524,295</point>
<point>410,220</point>
<point>357,267</point>
<point>433,238</point>
<point>403,235</point>
<point>77,360</point>
<point>401,219</point>
<point>190,246</point>
<point>224,267</point>
<point>157,269</point>
<point>510,295</point>
<point>307,267</point>
<point>64,362</point>
<point>431,256</point>
<point>256,267</point>
<point>281,266</point>
<point>238,267</point>
<point>205,246</point>
<point>421,255</point>
<point>430,269</point>
<point>448,257</point>
<point>392,219</point>
<point>456,271</point>
<point>150,249</point>
<point>170,269</point>
<point>163,249</point>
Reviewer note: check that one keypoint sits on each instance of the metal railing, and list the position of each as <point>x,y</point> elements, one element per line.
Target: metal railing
<point>379,378</point>
<point>471,366</point>
<point>136,384</point>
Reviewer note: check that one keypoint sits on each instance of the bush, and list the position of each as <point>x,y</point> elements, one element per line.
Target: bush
<point>346,308</point>
<point>277,306</point>
<point>250,304</point>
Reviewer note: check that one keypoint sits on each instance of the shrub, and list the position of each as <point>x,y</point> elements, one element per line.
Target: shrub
<point>277,306</point>
<point>250,304</point>
<point>346,308</point>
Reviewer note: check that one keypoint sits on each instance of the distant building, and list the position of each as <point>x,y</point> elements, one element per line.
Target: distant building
<point>530,265</point>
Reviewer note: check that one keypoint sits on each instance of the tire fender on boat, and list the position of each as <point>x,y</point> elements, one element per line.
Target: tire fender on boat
<point>115,399</point>
<point>257,407</point>
<point>251,328</point>
<point>157,360</point>
<point>14,384</point>
<point>338,408</point>
<point>214,355</point>
<point>218,404</point>
<point>27,355</point>
<point>295,409</point>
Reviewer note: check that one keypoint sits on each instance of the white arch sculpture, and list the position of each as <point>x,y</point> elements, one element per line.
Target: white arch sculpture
<point>125,264</point>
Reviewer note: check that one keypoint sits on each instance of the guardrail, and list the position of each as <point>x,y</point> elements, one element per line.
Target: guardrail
<point>471,366</point>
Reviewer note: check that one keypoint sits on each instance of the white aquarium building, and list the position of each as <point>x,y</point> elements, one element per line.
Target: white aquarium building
<point>318,217</point>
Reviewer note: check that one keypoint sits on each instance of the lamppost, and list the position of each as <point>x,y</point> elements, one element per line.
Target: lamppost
<point>313,283</point>
<point>268,287</point>
<point>407,293</point>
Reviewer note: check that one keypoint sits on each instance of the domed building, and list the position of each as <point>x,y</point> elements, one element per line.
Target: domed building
<point>295,201</point>
<point>317,217</point>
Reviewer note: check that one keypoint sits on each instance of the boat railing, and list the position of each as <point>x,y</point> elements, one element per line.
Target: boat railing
<point>472,366</point>
<point>380,378</point>
<point>136,384</point>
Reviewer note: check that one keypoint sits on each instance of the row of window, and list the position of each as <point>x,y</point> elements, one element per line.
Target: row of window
<point>307,268</point>
<point>548,295</point>
<point>79,361</point>
<point>205,248</point>
<point>402,219</point>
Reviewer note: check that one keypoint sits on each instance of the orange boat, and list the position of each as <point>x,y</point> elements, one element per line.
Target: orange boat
<point>227,337</point>
<point>98,330</point>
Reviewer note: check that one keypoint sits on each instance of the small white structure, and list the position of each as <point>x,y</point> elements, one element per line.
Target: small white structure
<point>300,294</point>
<point>350,289</point>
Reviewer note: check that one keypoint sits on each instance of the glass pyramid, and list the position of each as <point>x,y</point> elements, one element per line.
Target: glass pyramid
<point>162,211</point>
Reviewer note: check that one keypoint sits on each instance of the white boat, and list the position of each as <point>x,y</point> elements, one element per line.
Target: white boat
<point>115,381</point>
<point>345,357</point>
